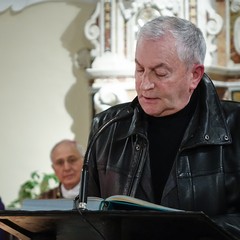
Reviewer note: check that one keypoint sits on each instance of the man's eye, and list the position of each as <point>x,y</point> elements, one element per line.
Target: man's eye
<point>139,70</point>
<point>160,74</point>
<point>59,163</point>
<point>72,160</point>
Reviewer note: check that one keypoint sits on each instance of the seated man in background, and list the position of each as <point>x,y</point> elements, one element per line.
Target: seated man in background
<point>67,160</point>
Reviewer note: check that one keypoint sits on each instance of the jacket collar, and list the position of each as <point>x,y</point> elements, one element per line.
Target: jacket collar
<point>207,126</point>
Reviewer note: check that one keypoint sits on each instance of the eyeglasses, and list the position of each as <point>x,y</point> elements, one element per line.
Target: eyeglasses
<point>60,162</point>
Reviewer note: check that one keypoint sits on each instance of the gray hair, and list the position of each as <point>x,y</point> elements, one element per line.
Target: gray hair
<point>190,43</point>
<point>79,147</point>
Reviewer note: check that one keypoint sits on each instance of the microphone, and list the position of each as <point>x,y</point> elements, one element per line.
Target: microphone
<point>81,200</point>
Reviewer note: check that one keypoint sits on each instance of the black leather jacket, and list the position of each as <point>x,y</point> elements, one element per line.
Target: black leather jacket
<point>206,172</point>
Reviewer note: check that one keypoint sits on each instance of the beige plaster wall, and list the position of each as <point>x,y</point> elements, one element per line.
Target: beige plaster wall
<point>44,97</point>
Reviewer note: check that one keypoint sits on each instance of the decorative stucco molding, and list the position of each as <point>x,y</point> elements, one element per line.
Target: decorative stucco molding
<point>235,5</point>
<point>19,5</point>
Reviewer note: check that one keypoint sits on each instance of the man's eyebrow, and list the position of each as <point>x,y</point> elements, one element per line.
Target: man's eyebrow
<point>157,66</point>
<point>136,61</point>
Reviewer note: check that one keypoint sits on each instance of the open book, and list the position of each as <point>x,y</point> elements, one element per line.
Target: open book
<point>116,202</point>
<point>123,202</point>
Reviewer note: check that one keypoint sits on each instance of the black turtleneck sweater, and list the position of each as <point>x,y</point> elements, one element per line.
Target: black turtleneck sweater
<point>165,135</point>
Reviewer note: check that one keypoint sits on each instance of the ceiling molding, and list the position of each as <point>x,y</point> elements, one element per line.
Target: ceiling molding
<point>19,5</point>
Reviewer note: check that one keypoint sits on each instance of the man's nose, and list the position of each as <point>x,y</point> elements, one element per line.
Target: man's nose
<point>66,165</point>
<point>146,81</point>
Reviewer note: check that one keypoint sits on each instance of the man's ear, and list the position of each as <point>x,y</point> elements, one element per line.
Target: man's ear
<point>197,73</point>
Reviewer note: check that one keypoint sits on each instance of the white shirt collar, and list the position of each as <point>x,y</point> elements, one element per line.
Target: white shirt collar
<point>71,193</point>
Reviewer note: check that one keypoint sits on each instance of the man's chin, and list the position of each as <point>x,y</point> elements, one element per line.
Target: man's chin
<point>151,112</point>
<point>68,185</point>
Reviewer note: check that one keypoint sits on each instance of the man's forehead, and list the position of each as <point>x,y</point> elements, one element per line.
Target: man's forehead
<point>64,150</point>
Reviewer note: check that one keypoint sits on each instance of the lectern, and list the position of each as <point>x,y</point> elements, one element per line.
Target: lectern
<point>110,225</point>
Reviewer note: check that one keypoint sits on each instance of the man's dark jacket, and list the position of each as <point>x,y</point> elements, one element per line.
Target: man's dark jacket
<point>52,193</point>
<point>206,172</point>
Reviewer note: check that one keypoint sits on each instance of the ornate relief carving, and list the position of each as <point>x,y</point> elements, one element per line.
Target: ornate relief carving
<point>211,24</point>
<point>145,10</point>
<point>109,95</point>
<point>237,35</point>
<point>235,5</point>
<point>214,25</point>
<point>114,26</point>
<point>92,31</point>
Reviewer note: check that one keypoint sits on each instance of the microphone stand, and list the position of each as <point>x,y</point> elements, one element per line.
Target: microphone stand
<point>82,198</point>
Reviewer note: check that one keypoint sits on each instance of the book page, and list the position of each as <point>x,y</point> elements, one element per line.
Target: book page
<point>123,199</point>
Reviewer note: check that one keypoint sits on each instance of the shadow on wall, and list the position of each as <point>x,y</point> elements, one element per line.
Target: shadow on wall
<point>78,100</point>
